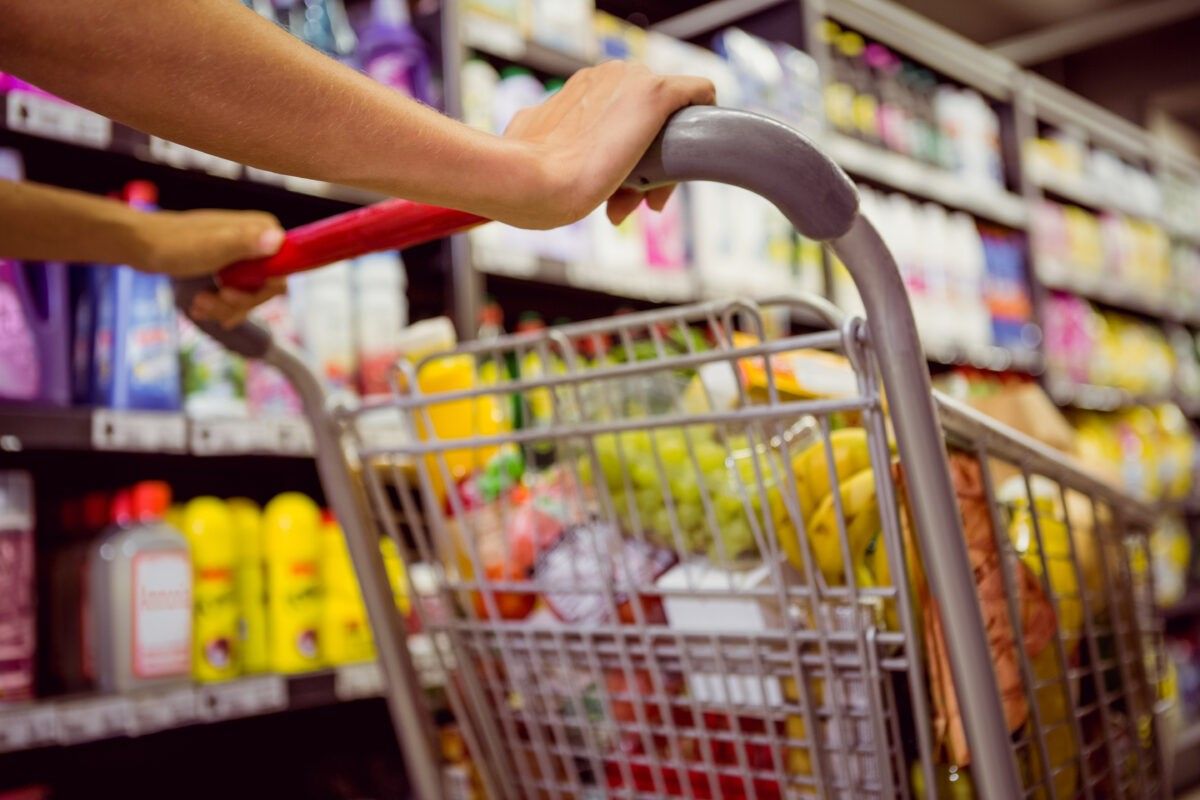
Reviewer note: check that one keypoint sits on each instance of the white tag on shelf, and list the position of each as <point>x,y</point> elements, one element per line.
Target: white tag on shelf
<point>22,728</point>
<point>265,176</point>
<point>157,711</point>
<point>142,431</point>
<point>233,436</point>
<point>183,157</point>
<point>92,719</point>
<point>293,436</point>
<point>57,119</point>
<point>244,697</point>
<point>356,681</point>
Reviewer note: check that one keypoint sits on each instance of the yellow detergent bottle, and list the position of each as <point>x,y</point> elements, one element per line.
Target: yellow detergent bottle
<point>451,419</point>
<point>292,545</point>
<point>345,630</point>
<point>208,527</point>
<point>251,584</point>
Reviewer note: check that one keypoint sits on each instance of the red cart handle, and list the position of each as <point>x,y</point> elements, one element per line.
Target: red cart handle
<point>388,225</point>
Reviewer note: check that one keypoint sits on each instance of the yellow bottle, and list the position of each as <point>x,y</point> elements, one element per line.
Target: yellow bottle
<point>456,419</point>
<point>396,573</point>
<point>208,527</point>
<point>345,631</point>
<point>292,545</point>
<point>251,584</point>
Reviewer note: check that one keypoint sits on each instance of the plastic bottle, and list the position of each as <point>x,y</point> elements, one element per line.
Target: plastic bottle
<point>214,379</point>
<point>251,584</point>
<point>392,52</point>
<point>268,393</point>
<point>139,596</point>
<point>135,360</point>
<point>17,630</point>
<point>325,318</point>
<point>309,20</point>
<point>68,596</point>
<point>380,313</point>
<point>517,89</point>
<point>209,529</point>
<point>34,322</point>
<point>345,630</point>
<point>479,82</point>
<point>291,536</point>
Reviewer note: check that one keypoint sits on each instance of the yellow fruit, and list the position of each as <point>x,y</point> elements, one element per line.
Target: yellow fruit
<point>1054,709</point>
<point>811,467</point>
<point>882,571</point>
<point>1058,568</point>
<point>859,503</point>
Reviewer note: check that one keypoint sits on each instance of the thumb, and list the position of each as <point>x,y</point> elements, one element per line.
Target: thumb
<point>250,238</point>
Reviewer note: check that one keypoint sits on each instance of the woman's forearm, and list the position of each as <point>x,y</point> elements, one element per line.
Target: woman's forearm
<point>44,223</point>
<point>212,75</point>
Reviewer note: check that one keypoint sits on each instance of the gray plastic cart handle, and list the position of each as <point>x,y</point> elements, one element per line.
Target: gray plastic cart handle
<point>783,166</point>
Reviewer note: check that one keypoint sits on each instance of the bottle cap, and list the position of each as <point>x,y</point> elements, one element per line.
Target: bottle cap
<point>121,509</point>
<point>140,193</point>
<point>149,500</point>
<point>513,72</point>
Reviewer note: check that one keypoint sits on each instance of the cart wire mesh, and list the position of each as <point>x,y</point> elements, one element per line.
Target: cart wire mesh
<point>666,547</point>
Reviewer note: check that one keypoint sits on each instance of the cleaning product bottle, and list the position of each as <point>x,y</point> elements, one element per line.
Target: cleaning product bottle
<point>251,584</point>
<point>292,544</point>
<point>517,89</point>
<point>380,313</point>
<point>34,322</point>
<point>139,595</point>
<point>325,319</point>
<point>135,360</point>
<point>17,631</point>
<point>393,53</point>
<point>209,529</point>
<point>268,393</point>
<point>479,82</point>
<point>345,630</point>
<point>309,20</point>
<point>214,379</point>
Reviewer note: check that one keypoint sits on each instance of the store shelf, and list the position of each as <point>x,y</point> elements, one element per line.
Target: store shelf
<point>498,39</point>
<point>1084,192</point>
<point>150,432</point>
<point>1055,275</point>
<point>995,359</point>
<point>77,720</point>
<point>914,177</point>
<point>55,120</point>
<point>1090,397</point>
<point>1188,606</point>
<point>667,287</point>
<point>712,16</point>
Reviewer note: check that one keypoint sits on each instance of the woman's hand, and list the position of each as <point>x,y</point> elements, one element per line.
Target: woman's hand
<point>589,136</point>
<point>190,243</point>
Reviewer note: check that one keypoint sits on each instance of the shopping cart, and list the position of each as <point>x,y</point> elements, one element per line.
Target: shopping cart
<point>663,554</point>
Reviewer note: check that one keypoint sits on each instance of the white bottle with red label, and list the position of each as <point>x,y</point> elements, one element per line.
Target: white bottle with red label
<point>140,595</point>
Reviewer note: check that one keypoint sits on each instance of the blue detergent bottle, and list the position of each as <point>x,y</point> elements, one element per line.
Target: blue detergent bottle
<point>34,322</point>
<point>135,347</point>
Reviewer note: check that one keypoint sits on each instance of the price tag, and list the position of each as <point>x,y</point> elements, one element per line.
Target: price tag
<point>265,176</point>
<point>56,119</point>
<point>233,436</point>
<point>182,157</point>
<point>356,681</point>
<point>139,431</point>
<point>157,711</point>
<point>23,728</point>
<point>246,697</point>
<point>92,719</point>
<point>294,436</point>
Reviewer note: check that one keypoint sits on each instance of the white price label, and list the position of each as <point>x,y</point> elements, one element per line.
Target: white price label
<point>294,436</point>
<point>142,431</point>
<point>182,157</point>
<point>233,436</point>
<point>22,728</point>
<point>265,176</point>
<point>56,119</point>
<point>157,711</point>
<point>245,697</point>
<point>357,681</point>
<point>89,720</point>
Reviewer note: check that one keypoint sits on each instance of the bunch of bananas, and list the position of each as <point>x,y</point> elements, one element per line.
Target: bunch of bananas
<point>856,484</point>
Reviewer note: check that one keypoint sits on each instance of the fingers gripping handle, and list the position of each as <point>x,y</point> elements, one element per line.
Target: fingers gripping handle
<point>247,339</point>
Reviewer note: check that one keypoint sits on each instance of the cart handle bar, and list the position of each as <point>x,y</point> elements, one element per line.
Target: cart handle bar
<point>780,164</point>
